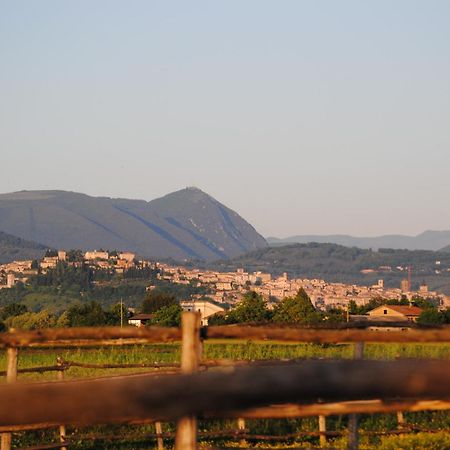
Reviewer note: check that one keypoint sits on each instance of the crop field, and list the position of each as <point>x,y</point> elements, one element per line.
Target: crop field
<point>212,350</point>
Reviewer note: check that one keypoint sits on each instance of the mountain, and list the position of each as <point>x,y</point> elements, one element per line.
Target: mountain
<point>336,263</point>
<point>14,248</point>
<point>429,240</point>
<point>187,224</point>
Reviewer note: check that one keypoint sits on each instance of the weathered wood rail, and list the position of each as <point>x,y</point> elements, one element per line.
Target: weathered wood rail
<point>79,337</point>
<point>344,387</point>
<point>219,394</point>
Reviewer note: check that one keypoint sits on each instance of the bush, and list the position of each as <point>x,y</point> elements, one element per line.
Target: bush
<point>31,321</point>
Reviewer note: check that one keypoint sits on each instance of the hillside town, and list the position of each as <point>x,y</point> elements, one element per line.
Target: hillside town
<point>225,288</point>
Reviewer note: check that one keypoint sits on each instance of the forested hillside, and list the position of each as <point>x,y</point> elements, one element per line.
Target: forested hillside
<point>14,248</point>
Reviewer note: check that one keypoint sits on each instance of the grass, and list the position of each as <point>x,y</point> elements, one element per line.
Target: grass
<point>214,349</point>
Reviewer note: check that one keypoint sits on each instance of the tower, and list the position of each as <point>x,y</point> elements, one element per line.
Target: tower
<point>10,280</point>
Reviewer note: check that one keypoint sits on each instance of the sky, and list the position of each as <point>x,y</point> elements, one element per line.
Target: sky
<point>305,117</point>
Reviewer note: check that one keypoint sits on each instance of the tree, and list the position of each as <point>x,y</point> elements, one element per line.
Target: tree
<point>219,318</point>
<point>75,256</point>
<point>14,309</point>
<point>116,313</point>
<point>422,302</point>
<point>86,315</point>
<point>446,315</point>
<point>431,316</point>
<point>155,300</point>
<point>352,307</point>
<point>63,321</point>
<point>251,309</point>
<point>298,309</point>
<point>168,316</point>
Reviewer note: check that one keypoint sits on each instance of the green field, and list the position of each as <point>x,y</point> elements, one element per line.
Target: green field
<point>223,349</point>
<point>236,350</point>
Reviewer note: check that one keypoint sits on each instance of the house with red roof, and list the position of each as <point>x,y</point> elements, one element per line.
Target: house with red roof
<point>395,313</point>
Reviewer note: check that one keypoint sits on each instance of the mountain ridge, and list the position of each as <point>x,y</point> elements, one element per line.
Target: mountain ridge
<point>185,224</point>
<point>428,240</point>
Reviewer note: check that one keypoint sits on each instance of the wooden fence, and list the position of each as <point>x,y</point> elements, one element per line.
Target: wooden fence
<point>263,389</point>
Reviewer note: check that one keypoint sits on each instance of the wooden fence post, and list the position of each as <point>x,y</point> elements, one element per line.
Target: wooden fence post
<point>191,350</point>
<point>241,428</point>
<point>353,436</point>
<point>60,377</point>
<point>400,421</point>
<point>159,439</point>
<point>323,429</point>
<point>11,377</point>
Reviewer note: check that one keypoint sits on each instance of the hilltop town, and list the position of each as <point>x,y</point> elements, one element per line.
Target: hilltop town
<point>224,288</point>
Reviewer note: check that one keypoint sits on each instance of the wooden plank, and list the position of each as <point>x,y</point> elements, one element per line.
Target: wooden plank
<point>130,335</point>
<point>220,392</point>
<point>293,411</point>
<point>327,336</point>
<point>53,335</point>
<point>344,408</point>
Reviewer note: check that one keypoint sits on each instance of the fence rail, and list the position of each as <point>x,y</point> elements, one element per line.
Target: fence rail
<point>78,337</point>
<point>219,393</point>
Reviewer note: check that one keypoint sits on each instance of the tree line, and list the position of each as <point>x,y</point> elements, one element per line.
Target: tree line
<point>164,309</point>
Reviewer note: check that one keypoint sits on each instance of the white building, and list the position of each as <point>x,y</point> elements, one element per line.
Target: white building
<point>204,307</point>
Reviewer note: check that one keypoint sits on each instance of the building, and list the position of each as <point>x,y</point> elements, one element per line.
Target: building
<point>204,307</point>
<point>127,256</point>
<point>404,286</point>
<point>397,313</point>
<point>10,280</point>
<point>49,262</point>
<point>423,289</point>
<point>96,255</point>
<point>62,255</point>
<point>140,320</point>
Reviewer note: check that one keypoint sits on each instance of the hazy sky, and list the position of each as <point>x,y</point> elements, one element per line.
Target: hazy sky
<point>303,116</point>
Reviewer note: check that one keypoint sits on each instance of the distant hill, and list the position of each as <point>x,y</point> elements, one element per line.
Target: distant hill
<point>187,224</point>
<point>14,248</point>
<point>429,240</point>
<point>337,263</point>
